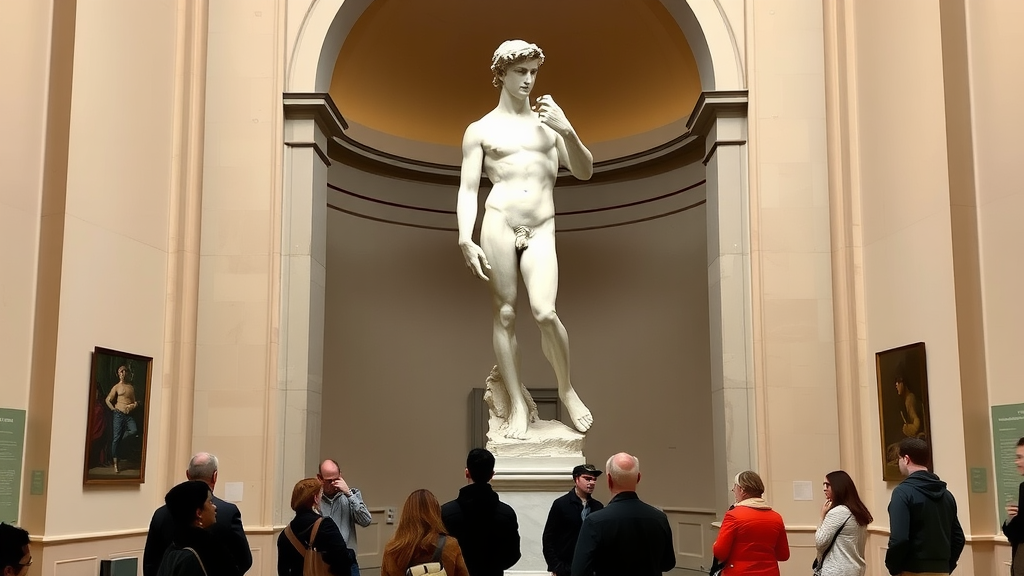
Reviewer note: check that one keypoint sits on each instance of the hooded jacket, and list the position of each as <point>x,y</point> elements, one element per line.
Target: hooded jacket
<point>924,532</point>
<point>752,540</point>
<point>486,528</point>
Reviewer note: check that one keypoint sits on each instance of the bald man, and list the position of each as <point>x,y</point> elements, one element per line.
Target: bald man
<point>627,536</point>
<point>343,504</point>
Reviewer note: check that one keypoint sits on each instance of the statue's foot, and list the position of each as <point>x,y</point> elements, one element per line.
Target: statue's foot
<point>517,423</point>
<point>579,414</point>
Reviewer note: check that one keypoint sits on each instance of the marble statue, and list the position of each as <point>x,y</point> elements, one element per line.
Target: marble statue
<point>519,146</point>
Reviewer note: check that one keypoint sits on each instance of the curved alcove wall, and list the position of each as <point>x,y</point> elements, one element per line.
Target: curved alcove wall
<point>411,75</point>
<point>408,329</point>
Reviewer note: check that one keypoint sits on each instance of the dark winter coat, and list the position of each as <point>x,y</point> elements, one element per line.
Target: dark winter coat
<point>487,529</point>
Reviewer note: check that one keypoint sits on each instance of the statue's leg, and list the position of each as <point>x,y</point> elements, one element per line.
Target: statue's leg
<point>498,242</point>
<point>539,265</point>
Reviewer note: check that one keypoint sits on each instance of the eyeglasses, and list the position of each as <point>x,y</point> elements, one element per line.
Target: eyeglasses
<point>26,564</point>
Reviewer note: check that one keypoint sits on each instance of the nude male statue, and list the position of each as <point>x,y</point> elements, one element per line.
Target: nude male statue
<point>121,402</point>
<point>520,149</point>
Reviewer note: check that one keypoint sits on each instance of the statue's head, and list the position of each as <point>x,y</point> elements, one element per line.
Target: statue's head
<point>510,52</point>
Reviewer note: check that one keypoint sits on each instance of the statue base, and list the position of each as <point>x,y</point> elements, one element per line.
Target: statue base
<point>543,438</point>
<point>529,485</point>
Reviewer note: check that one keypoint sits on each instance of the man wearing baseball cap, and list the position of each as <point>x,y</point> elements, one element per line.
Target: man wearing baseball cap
<point>566,518</point>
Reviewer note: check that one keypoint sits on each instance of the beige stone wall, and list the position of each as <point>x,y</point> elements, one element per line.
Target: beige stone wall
<point>236,342</point>
<point>994,46</point>
<point>793,339</point>
<point>913,111</point>
<point>114,241</point>
<point>24,30</point>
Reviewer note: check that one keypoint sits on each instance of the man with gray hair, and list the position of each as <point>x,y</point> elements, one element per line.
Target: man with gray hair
<point>627,536</point>
<point>227,529</point>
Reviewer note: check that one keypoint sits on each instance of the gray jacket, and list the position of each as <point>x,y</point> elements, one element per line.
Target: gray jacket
<point>346,511</point>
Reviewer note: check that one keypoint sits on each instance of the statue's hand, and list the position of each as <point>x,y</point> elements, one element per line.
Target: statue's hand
<point>476,261</point>
<point>551,115</point>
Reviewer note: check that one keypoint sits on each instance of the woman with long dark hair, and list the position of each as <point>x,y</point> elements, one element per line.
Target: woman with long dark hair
<point>843,533</point>
<point>195,550</point>
<point>417,537</point>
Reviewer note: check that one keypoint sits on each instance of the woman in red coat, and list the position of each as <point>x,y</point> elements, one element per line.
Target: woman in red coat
<point>752,540</point>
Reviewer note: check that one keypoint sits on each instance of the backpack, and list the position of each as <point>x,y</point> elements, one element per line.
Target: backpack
<point>432,568</point>
<point>313,563</point>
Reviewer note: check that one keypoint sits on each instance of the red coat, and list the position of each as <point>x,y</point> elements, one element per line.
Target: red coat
<point>752,540</point>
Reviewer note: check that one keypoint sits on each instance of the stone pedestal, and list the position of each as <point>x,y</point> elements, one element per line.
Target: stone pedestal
<point>529,485</point>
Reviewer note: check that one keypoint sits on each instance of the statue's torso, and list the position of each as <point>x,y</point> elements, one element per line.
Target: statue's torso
<point>521,161</point>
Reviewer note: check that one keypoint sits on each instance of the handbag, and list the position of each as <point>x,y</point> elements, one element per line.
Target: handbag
<point>432,568</point>
<point>313,563</point>
<point>816,566</point>
<point>196,554</point>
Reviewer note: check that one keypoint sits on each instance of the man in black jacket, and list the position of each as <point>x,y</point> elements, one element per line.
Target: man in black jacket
<point>228,527</point>
<point>924,533</point>
<point>566,517</point>
<point>627,536</point>
<point>1013,528</point>
<point>486,528</point>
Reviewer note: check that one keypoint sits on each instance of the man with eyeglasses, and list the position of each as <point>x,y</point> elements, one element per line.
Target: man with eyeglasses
<point>925,536</point>
<point>14,550</point>
<point>566,518</point>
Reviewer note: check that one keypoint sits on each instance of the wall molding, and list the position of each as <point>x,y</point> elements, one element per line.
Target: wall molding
<point>710,106</point>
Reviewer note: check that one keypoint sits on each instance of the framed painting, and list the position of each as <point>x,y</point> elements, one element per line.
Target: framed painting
<point>116,429</point>
<point>902,403</point>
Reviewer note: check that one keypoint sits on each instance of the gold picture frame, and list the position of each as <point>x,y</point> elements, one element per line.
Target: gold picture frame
<point>118,416</point>
<point>902,403</point>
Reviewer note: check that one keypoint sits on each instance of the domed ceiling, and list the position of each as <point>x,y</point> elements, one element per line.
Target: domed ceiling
<point>412,74</point>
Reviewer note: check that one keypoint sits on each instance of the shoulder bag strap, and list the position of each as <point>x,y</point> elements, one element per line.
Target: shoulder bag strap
<point>440,548</point>
<point>196,554</point>
<point>294,540</point>
<point>834,536</point>
<point>312,535</point>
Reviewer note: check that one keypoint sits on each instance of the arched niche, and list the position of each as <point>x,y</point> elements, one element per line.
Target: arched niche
<point>718,123</point>
<point>327,22</point>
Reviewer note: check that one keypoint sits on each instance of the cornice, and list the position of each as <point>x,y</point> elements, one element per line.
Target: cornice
<point>318,106</point>
<point>709,107</point>
<point>713,105</point>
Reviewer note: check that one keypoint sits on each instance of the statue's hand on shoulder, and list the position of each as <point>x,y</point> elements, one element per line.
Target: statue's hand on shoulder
<point>476,261</point>
<point>551,115</point>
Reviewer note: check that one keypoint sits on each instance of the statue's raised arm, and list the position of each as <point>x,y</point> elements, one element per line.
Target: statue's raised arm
<point>571,152</point>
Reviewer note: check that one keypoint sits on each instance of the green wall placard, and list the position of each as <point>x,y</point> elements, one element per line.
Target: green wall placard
<point>979,481</point>
<point>1007,429</point>
<point>12,446</point>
